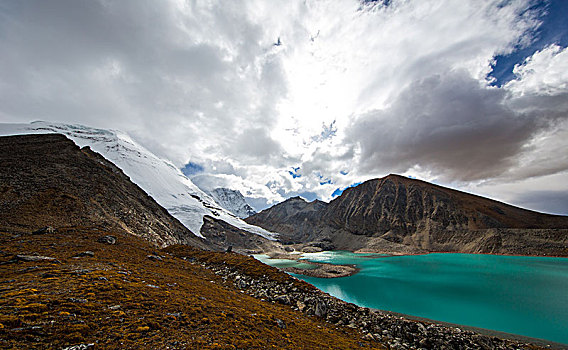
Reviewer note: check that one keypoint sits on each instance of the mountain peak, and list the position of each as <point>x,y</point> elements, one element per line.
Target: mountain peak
<point>233,201</point>
<point>400,214</point>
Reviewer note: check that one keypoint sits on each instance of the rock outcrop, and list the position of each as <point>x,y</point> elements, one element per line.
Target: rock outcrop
<point>233,201</point>
<point>395,214</point>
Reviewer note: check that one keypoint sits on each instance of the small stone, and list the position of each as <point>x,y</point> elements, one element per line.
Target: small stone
<point>154,257</point>
<point>107,240</point>
<point>421,328</point>
<point>86,253</point>
<point>321,309</point>
<point>281,324</point>
<point>282,299</point>
<point>80,347</point>
<point>44,230</point>
<point>114,307</point>
<point>77,300</point>
<point>35,258</point>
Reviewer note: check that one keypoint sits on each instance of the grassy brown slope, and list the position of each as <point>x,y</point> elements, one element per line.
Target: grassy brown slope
<point>119,298</point>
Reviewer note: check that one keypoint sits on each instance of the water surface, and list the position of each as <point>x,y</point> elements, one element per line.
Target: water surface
<point>519,295</point>
<point>283,263</point>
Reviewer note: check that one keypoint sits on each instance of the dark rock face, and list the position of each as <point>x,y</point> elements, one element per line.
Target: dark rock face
<point>233,201</point>
<point>50,179</point>
<point>225,237</point>
<point>107,239</point>
<point>397,214</point>
<point>295,218</point>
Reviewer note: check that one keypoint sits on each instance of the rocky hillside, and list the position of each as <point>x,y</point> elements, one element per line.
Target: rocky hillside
<point>401,215</point>
<point>158,177</point>
<point>233,201</point>
<point>46,180</point>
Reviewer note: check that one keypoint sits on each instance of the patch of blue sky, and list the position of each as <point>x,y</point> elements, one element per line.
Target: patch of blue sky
<point>191,169</point>
<point>553,30</point>
<point>339,191</point>
<point>295,173</point>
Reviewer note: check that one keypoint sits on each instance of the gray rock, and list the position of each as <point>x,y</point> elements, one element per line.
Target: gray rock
<point>80,347</point>
<point>35,258</point>
<point>154,257</point>
<point>107,240</point>
<point>86,253</point>
<point>321,309</point>
<point>242,284</point>
<point>77,300</point>
<point>44,230</point>
<point>282,299</point>
<point>281,324</point>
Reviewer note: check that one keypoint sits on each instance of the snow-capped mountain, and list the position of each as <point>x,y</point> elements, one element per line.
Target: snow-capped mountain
<point>158,177</point>
<point>233,201</point>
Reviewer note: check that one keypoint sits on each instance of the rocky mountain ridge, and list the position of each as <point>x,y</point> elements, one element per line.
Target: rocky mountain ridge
<point>233,201</point>
<point>47,180</point>
<point>396,214</point>
<point>64,185</point>
<point>158,177</point>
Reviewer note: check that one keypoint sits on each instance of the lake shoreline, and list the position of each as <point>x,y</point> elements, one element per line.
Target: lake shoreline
<point>488,332</point>
<point>328,270</point>
<point>361,251</point>
<point>361,254</point>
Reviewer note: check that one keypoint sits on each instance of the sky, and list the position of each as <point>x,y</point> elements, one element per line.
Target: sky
<point>278,98</point>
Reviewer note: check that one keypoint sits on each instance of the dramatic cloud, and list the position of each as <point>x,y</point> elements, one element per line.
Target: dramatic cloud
<point>292,97</point>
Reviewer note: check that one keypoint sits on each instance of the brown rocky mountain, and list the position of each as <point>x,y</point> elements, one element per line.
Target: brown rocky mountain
<point>396,214</point>
<point>47,180</point>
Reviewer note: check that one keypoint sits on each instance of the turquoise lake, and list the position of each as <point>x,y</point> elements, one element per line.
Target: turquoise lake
<point>519,295</point>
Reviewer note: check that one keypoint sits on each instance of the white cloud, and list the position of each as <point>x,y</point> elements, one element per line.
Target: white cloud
<point>544,73</point>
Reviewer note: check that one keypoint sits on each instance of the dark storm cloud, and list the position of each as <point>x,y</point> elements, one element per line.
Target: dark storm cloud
<point>160,70</point>
<point>448,124</point>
